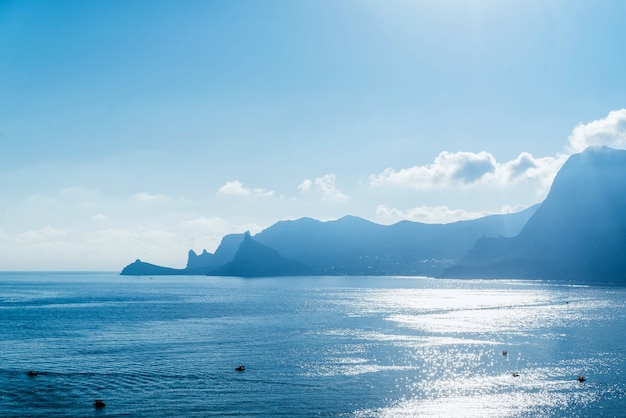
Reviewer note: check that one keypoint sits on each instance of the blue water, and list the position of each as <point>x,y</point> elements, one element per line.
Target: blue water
<point>320,346</point>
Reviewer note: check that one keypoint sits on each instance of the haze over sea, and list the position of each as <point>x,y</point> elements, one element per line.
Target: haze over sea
<point>312,346</point>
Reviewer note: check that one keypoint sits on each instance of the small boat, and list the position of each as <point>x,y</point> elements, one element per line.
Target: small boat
<point>99,403</point>
<point>32,373</point>
<point>582,379</point>
<point>240,368</point>
<point>505,353</point>
<point>516,374</point>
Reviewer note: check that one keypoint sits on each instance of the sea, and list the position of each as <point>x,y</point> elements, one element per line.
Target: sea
<point>311,347</point>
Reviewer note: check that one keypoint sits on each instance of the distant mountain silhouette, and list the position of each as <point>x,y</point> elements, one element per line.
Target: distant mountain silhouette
<point>200,265</point>
<point>254,259</point>
<point>195,261</point>
<point>225,253</point>
<point>349,245</point>
<point>352,245</point>
<point>578,233</point>
<point>140,268</point>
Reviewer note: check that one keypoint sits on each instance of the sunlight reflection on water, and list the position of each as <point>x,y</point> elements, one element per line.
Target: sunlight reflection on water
<point>454,339</point>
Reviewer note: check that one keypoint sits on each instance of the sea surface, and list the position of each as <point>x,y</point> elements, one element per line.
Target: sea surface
<point>312,347</point>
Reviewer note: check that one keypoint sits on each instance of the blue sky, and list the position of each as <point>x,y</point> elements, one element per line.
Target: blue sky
<point>143,129</point>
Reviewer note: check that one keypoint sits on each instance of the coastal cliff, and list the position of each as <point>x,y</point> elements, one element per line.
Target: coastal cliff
<point>578,233</point>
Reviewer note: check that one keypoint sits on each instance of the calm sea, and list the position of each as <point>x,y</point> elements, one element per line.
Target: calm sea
<point>317,346</point>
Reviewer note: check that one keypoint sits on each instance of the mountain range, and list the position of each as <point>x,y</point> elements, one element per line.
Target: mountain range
<point>347,246</point>
<point>577,233</point>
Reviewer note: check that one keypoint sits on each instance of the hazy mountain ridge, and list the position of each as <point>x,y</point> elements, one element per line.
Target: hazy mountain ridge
<point>347,246</point>
<point>352,245</point>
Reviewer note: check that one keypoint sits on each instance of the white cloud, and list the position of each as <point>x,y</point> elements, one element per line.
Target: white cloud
<point>466,169</point>
<point>521,165</point>
<point>448,169</point>
<point>147,197</point>
<point>100,218</point>
<point>235,188</point>
<point>528,168</point>
<point>305,186</point>
<point>434,214</point>
<point>610,131</point>
<point>324,186</point>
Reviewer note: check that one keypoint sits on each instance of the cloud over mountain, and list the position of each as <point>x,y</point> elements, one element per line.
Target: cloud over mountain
<point>324,186</point>
<point>467,169</point>
<point>447,169</point>
<point>526,167</point>
<point>610,131</point>
<point>462,169</point>
<point>236,188</point>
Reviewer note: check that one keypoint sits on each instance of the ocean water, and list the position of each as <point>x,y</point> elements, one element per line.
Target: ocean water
<point>317,346</point>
